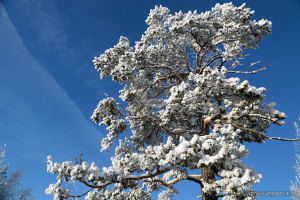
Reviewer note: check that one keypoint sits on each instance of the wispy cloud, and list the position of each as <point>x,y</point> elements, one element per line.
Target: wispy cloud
<point>29,95</point>
<point>50,26</point>
<point>44,19</point>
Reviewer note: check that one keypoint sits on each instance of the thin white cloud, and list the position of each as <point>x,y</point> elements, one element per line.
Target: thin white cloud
<point>44,19</point>
<point>19,69</point>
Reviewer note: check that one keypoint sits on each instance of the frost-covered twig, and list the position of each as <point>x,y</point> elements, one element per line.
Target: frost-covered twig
<point>271,138</point>
<point>253,72</point>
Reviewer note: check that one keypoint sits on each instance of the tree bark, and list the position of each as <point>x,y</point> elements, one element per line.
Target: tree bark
<point>207,175</point>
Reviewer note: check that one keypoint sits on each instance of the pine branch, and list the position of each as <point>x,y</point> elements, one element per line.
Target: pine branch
<point>271,138</point>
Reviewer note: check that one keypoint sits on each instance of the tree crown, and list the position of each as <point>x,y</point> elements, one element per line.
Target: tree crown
<point>184,109</point>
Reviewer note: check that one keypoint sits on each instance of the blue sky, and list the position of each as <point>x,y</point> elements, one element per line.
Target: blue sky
<point>49,87</point>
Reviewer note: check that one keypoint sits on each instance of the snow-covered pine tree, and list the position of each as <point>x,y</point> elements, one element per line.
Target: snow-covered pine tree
<point>10,186</point>
<point>185,110</point>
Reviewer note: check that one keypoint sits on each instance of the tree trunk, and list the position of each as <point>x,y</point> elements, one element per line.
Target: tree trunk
<point>207,175</point>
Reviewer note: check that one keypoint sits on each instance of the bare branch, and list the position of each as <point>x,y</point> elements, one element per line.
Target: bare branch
<point>252,65</point>
<point>213,59</point>
<point>81,195</point>
<point>271,138</point>
<point>195,178</point>
<point>253,72</point>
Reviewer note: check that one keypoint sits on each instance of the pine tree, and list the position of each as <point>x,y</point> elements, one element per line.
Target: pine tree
<point>185,111</point>
<point>10,186</point>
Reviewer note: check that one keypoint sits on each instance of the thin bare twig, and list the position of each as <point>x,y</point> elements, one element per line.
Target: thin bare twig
<point>271,138</point>
<point>253,72</point>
